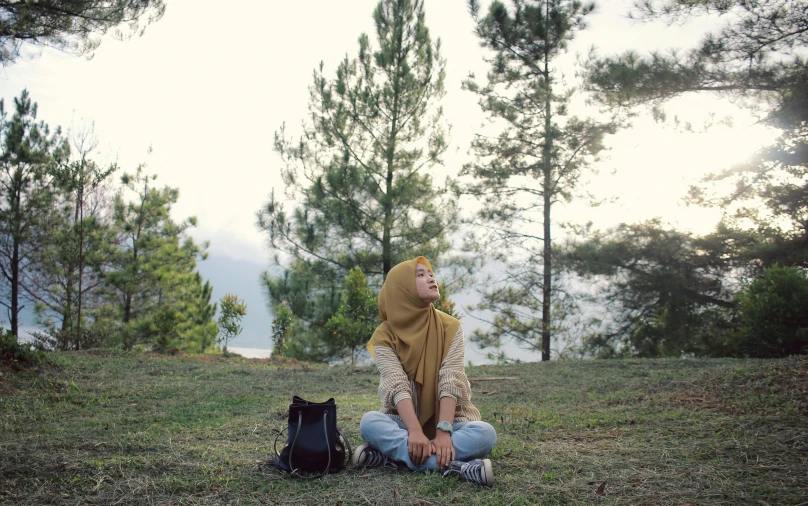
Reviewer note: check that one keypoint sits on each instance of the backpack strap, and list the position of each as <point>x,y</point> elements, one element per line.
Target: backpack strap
<point>327,445</point>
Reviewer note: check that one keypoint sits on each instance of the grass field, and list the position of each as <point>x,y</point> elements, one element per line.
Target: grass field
<point>118,428</point>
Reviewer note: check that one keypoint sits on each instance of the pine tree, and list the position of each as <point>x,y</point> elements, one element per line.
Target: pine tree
<point>74,26</point>
<point>666,292</point>
<point>68,276</point>
<point>312,293</point>
<point>69,269</point>
<point>537,160</point>
<point>29,153</point>
<point>201,328</point>
<point>755,53</point>
<point>154,269</point>
<point>358,315</point>
<point>233,310</point>
<point>360,173</point>
<point>755,59</point>
<point>284,326</point>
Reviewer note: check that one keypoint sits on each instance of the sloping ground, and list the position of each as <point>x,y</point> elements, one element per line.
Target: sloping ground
<point>771,388</point>
<point>119,428</point>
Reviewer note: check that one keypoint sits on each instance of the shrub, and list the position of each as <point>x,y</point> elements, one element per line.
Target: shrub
<point>357,317</point>
<point>18,354</point>
<point>233,310</point>
<point>164,328</point>
<point>283,327</point>
<point>774,315</point>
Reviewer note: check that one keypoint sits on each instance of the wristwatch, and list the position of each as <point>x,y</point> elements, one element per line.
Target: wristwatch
<point>445,427</point>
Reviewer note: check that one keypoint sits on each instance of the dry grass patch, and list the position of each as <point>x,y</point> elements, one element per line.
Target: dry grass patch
<point>767,387</point>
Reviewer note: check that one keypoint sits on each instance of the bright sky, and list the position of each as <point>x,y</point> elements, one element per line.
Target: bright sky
<point>206,87</point>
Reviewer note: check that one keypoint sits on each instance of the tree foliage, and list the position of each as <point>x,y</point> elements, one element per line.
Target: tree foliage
<point>68,270</point>
<point>754,58</point>
<point>73,26</point>
<point>755,53</point>
<point>360,170</point>
<point>233,310</point>
<point>667,292</point>
<point>360,175</point>
<point>774,312</point>
<point>283,329</point>
<point>312,293</point>
<point>445,303</point>
<point>538,159</point>
<point>154,267</point>
<point>766,205</point>
<point>357,316</point>
<point>200,327</point>
<point>103,268</point>
<point>29,154</point>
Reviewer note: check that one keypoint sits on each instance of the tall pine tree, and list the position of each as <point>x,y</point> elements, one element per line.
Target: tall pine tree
<point>29,154</point>
<point>69,269</point>
<point>361,172</point>
<point>153,274</point>
<point>537,160</point>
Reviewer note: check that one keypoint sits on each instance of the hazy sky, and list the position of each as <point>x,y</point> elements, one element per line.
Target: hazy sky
<point>207,86</point>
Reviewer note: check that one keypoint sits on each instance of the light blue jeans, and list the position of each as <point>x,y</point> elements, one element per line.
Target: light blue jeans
<point>471,440</point>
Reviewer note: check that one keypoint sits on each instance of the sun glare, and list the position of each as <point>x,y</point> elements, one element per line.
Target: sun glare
<point>651,166</point>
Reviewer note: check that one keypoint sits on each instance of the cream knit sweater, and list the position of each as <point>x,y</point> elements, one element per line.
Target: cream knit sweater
<point>452,381</point>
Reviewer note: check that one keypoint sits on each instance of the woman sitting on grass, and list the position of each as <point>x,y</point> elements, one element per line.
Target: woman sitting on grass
<point>427,421</point>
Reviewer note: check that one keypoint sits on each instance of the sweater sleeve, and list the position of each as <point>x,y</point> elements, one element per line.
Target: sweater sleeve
<point>452,380</point>
<point>394,384</point>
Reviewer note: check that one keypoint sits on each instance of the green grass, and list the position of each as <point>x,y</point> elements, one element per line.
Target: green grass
<point>120,428</point>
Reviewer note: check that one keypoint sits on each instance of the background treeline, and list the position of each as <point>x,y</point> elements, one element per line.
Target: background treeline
<point>105,265</point>
<point>362,192</point>
<point>95,252</point>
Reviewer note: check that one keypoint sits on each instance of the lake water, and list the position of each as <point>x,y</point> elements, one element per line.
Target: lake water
<point>250,352</point>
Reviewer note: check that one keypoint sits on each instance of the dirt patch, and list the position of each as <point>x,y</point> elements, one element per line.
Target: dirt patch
<point>776,387</point>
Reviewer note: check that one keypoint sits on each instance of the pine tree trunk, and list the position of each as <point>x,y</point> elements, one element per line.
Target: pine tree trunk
<point>547,169</point>
<point>548,275</point>
<point>67,309</point>
<point>15,288</point>
<point>387,247</point>
<point>80,217</point>
<point>127,308</point>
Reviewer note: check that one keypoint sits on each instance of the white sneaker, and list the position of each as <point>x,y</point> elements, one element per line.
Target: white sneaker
<point>480,472</point>
<point>367,456</point>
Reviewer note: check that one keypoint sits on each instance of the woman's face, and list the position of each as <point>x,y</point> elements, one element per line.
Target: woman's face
<point>426,284</point>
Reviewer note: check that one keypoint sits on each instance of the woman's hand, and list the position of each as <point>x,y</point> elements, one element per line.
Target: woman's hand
<point>443,449</point>
<point>418,447</point>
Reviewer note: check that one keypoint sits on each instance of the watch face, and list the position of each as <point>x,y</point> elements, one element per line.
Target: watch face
<point>445,427</point>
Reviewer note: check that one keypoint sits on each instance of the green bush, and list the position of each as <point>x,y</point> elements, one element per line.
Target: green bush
<point>18,354</point>
<point>283,328</point>
<point>357,317</point>
<point>774,315</point>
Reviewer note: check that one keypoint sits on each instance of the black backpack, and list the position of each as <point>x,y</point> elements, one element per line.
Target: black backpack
<point>313,446</point>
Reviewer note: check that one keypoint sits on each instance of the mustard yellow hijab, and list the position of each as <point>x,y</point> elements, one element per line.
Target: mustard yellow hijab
<point>419,334</point>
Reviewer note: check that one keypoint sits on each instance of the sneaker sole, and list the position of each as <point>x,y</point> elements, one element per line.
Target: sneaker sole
<point>489,473</point>
<point>358,458</point>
